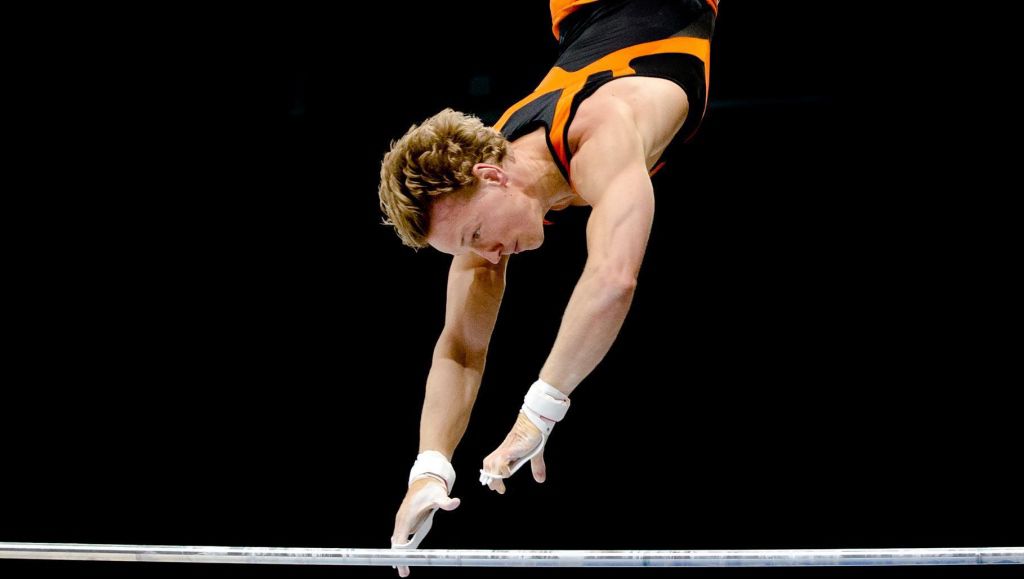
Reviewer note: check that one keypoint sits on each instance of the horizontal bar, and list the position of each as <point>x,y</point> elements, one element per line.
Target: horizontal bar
<point>488,558</point>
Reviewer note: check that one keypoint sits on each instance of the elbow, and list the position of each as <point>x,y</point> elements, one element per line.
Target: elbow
<point>618,286</point>
<point>457,350</point>
<point>614,280</point>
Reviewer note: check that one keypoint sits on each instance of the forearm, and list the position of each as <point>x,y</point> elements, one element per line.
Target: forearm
<point>452,386</point>
<point>592,320</point>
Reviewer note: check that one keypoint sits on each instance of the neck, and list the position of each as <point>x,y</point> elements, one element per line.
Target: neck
<point>530,165</point>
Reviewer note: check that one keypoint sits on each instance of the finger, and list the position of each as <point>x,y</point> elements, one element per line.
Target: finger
<point>401,534</point>
<point>497,485</point>
<point>492,463</point>
<point>403,571</point>
<point>496,464</point>
<point>540,471</point>
<point>499,464</point>
<point>448,504</point>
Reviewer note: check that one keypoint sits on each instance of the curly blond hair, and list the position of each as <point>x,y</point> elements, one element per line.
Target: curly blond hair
<point>432,159</point>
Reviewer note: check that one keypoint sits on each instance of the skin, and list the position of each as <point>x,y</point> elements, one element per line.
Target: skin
<point>616,137</point>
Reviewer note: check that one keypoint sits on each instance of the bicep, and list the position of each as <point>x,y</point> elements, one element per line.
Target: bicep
<point>610,172</point>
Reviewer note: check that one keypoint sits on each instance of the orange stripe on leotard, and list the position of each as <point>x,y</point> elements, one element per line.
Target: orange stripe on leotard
<point>570,83</point>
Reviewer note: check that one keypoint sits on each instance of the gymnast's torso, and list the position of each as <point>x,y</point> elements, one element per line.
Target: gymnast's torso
<point>645,58</point>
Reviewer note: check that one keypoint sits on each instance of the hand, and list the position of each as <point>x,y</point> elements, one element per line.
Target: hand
<point>424,495</point>
<point>520,442</point>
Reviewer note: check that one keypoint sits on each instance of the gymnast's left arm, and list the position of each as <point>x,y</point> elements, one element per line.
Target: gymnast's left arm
<point>610,172</point>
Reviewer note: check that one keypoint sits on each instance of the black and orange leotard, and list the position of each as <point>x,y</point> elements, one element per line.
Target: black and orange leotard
<point>600,40</point>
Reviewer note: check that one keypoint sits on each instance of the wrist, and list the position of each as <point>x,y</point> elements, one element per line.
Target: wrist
<point>434,465</point>
<point>544,405</point>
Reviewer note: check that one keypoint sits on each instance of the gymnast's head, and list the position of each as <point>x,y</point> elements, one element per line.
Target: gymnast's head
<point>446,183</point>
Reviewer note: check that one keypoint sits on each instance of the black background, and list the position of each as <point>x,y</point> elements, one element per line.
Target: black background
<point>211,339</point>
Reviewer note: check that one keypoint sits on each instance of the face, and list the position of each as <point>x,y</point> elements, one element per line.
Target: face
<point>494,219</point>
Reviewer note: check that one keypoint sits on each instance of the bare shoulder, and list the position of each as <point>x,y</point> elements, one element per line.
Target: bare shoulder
<point>654,108</point>
<point>597,115</point>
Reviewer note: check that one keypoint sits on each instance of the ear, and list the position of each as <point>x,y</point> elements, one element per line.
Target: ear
<point>489,173</point>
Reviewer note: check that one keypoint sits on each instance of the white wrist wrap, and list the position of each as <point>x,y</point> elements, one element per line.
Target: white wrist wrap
<point>431,463</point>
<point>545,401</point>
<point>543,405</point>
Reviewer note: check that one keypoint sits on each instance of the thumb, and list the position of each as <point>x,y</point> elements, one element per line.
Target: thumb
<point>448,504</point>
<point>540,470</point>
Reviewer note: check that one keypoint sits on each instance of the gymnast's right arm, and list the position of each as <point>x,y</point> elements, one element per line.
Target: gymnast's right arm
<point>475,289</point>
